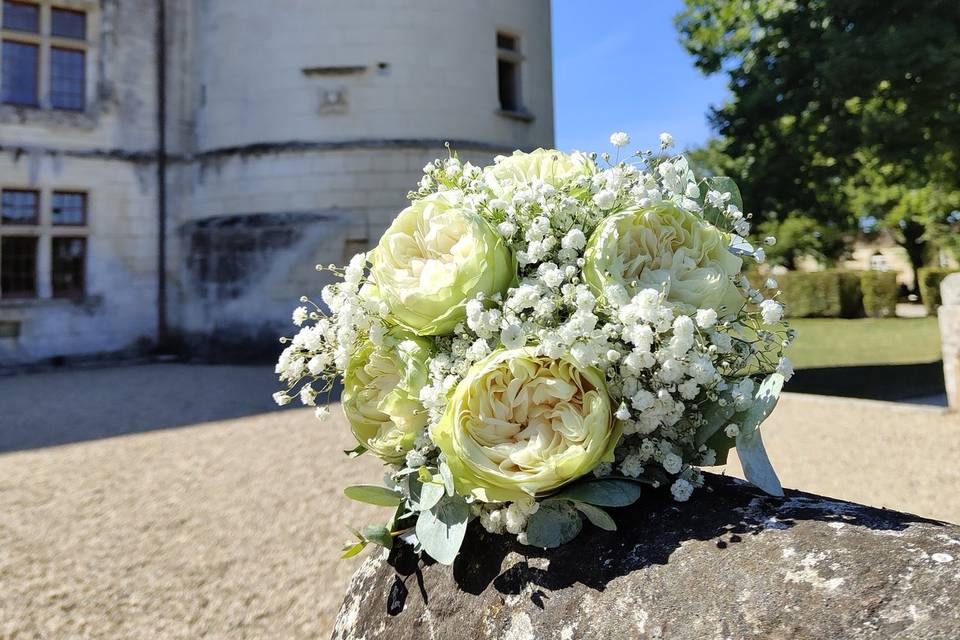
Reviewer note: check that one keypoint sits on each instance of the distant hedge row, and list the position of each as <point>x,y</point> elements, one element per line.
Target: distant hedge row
<point>837,293</point>
<point>930,279</point>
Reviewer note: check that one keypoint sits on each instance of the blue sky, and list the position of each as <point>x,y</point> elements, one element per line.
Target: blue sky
<point>618,66</point>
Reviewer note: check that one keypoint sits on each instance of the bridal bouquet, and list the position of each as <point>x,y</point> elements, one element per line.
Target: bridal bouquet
<point>532,342</point>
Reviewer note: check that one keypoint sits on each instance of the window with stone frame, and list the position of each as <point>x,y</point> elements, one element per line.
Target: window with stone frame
<point>44,55</point>
<point>43,243</point>
<point>509,61</point>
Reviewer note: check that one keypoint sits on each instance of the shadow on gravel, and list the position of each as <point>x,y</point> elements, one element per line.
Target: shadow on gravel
<point>68,405</point>
<point>897,382</point>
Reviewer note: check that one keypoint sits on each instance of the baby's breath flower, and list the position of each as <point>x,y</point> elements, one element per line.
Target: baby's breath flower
<point>619,139</point>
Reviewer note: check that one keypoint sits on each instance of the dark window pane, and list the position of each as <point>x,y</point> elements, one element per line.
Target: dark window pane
<point>20,73</point>
<point>18,267</point>
<point>66,79</point>
<point>68,267</point>
<point>19,206</point>
<point>68,24</point>
<point>507,85</point>
<point>21,16</point>
<point>69,208</point>
<point>506,42</point>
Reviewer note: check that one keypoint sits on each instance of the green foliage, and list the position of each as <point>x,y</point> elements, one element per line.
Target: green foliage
<point>930,279</point>
<point>811,294</point>
<point>597,516</point>
<point>373,494</point>
<point>839,111</point>
<point>553,524</point>
<point>832,293</point>
<point>851,293</point>
<point>440,530</point>
<point>879,293</point>
<point>798,236</point>
<point>424,495</point>
<point>753,457</point>
<point>603,493</point>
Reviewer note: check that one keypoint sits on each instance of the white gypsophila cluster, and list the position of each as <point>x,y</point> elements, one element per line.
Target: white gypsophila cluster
<point>663,362</point>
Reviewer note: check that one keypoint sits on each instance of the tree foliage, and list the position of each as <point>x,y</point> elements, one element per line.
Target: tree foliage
<point>839,110</point>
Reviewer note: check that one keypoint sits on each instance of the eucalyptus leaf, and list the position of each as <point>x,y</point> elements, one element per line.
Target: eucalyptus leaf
<point>373,494</point>
<point>553,524</point>
<point>441,529</point>
<point>379,534</point>
<point>353,550</point>
<point>721,444</point>
<point>597,516</point>
<point>447,476</point>
<point>424,495</point>
<point>716,417</point>
<point>726,184</point>
<point>756,465</point>
<point>602,493</point>
<point>764,402</point>
<point>356,452</point>
<point>753,456</point>
<point>723,184</point>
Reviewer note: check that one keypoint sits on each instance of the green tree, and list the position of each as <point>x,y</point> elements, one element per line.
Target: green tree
<point>839,109</point>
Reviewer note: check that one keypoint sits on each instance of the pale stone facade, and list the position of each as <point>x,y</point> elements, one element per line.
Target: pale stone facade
<point>293,131</point>
<point>949,316</point>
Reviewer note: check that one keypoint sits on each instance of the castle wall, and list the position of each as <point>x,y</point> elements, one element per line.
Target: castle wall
<point>294,130</point>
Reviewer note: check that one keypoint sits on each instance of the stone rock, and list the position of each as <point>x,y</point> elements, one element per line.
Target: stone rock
<point>949,318</point>
<point>730,563</point>
<point>950,290</point>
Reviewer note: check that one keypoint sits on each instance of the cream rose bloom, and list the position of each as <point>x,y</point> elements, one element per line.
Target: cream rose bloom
<point>523,425</point>
<point>381,393</point>
<point>665,247</point>
<point>549,165</point>
<point>435,257</point>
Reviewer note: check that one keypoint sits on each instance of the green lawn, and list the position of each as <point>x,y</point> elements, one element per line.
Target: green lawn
<point>826,342</point>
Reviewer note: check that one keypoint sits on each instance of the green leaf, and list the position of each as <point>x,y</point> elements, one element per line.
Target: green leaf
<point>756,465</point>
<point>603,493</point>
<point>424,495</point>
<point>716,418</point>
<point>373,494</point>
<point>753,456</point>
<point>597,516</point>
<point>352,550</point>
<point>553,524</point>
<point>722,184</point>
<point>356,452</point>
<point>447,476</point>
<point>764,402</point>
<point>726,184</point>
<point>441,529</point>
<point>379,534</point>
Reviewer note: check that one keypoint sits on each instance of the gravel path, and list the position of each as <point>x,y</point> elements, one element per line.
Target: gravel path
<point>231,529</point>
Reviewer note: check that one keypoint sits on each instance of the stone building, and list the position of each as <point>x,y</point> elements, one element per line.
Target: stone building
<point>284,133</point>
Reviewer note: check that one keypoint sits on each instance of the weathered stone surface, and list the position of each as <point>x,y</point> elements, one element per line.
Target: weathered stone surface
<point>949,315</point>
<point>731,563</point>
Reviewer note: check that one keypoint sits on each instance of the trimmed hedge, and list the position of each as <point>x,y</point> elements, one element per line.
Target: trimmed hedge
<point>821,294</point>
<point>930,279</point>
<point>851,293</point>
<point>879,293</point>
<point>835,293</point>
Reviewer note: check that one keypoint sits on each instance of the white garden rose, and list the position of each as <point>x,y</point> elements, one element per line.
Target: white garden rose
<point>435,257</point>
<point>521,425</point>
<point>666,248</point>
<point>381,387</point>
<point>548,165</point>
